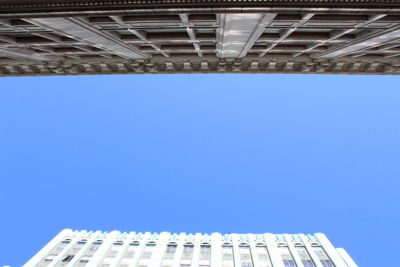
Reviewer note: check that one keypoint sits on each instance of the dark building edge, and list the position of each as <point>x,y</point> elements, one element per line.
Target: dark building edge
<point>33,6</point>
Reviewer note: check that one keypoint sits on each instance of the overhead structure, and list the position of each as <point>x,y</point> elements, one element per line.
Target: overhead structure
<point>64,37</point>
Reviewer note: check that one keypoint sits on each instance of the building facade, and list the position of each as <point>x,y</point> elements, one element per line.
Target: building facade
<point>110,249</point>
<point>65,37</point>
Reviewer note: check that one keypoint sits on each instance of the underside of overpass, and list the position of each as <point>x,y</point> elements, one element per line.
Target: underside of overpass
<point>62,37</point>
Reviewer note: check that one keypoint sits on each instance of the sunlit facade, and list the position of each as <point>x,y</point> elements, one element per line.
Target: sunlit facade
<point>106,249</point>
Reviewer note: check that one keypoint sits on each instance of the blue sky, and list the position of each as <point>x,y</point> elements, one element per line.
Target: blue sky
<point>201,153</point>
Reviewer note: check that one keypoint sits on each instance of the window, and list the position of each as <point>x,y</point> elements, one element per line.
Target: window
<point>305,257</point>
<point>85,259</point>
<point>308,263</point>
<point>171,248</point>
<point>263,255</point>
<point>78,246</point>
<point>147,252</point>
<point>205,254</point>
<point>327,263</point>
<point>170,251</point>
<point>130,251</point>
<point>68,258</point>
<point>50,257</point>
<point>118,243</point>
<point>227,255</point>
<point>90,252</point>
<point>245,255</point>
<point>60,246</point>
<point>289,263</point>
<point>323,257</point>
<point>151,244</point>
<point>286,256</point>
<point>205,248</point>
<point>95,246</point>
<point>187,251</point>
<point>186,262</point>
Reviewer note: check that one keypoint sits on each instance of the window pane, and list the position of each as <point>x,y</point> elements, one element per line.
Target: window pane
<point>287,257</point>
<point>245,256</point>
<point>305,257</point>
<point>323,257</point>
<point>227,256</point>
<point>263,256</point>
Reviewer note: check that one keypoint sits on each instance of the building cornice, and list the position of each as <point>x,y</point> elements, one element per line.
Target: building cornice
<point>199,66</point>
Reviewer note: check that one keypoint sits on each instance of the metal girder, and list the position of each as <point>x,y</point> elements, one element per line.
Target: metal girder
<point>338,34</point>
<point>189,30</point>
<point>238,32</point>
<point>369,41</point>
<point>81,30</point>
<point>380,49</point>
<point>21,54</point>
<point>139,34</point>
<point>288,32</point>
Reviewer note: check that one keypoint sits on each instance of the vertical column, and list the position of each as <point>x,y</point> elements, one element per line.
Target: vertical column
<point>346,257</point>
<point>120,253</point>
<point>216,250</point>
<point>47,248</point>
<point>276,258</point>
<point>158,254</point>
<point>293,250</point>
<point>105,246</point>
<point>330,250</point>
<point>196,249</point>
<point>236,251</point>
<point>179,249</point>
<point>92,237</point>
<point>253,250</point>
<point>140,249</point>
<point>310,251</point>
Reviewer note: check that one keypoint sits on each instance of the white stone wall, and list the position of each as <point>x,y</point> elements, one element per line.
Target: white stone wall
<point>110,249</point>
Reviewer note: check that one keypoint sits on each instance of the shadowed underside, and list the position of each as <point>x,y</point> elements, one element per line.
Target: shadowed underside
<point>184,36</point>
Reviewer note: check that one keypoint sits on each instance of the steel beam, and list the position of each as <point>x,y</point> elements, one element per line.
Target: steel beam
<point>366,42</point>
<point>79,29</point>
<point>189,30</point>
<point>238,32</point>
<point>337,34</point>
<point>22,54</point>
<point>287,32</point>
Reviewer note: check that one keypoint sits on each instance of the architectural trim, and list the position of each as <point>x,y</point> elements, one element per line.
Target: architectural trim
<point>197,66</point>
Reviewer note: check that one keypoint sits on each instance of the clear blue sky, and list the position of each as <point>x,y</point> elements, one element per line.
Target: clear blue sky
<point>202,153</point>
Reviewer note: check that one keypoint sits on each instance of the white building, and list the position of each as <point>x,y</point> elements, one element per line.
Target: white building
<point>110,249</point>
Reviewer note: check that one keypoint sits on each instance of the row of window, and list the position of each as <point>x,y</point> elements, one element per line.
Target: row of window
<point>187,253</point>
